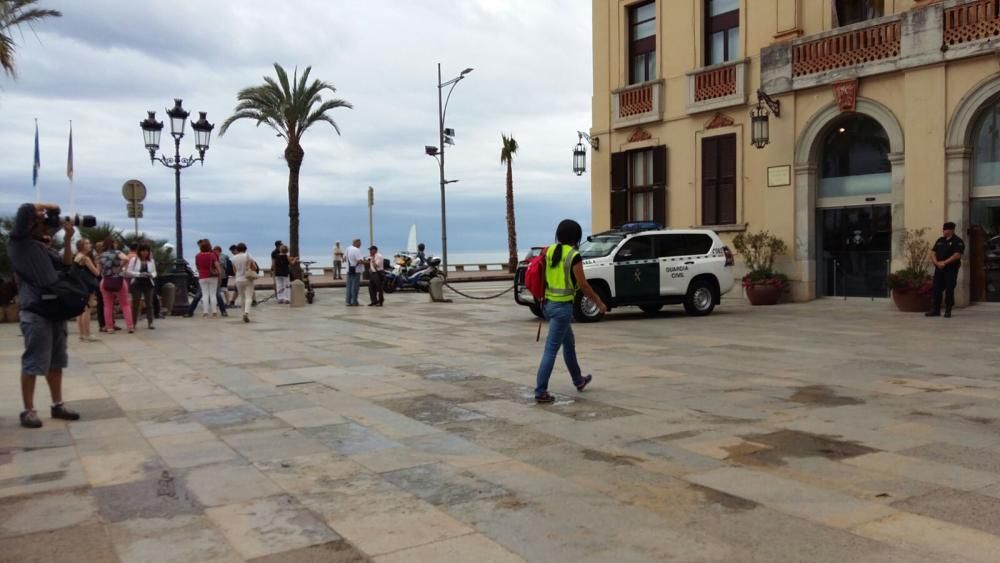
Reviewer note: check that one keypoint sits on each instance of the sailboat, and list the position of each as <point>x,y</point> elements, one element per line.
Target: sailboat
<point>411,242</point>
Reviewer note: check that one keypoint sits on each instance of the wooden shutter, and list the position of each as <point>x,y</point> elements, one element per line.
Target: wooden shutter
<point>727,180</point>
<point>660,184</point>
<point>619,189</point>
<point>709,180</point>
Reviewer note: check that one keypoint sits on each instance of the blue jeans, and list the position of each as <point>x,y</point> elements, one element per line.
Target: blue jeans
<point>353,286</point>
<point>560,317</point>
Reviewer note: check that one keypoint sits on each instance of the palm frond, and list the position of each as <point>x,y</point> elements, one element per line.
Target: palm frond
<point>509,148</point>
<point>13,15</point>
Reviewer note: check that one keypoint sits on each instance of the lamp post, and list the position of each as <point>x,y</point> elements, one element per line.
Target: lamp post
<point>445,136</point>
<point>151,129</point>
<point>760,127</point>
<point>580,153</point>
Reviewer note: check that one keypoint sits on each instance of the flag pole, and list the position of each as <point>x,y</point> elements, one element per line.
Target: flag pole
<point>36,167</point>
<point>69,171</point>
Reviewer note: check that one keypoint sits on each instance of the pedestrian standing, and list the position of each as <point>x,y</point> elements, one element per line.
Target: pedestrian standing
<point>227,268</point>
<point>207,264</point>
<point>246,274</point>
<point>563,278</point>
<point>85,264</point>
<point>282,276</point>
<point>376,275</point>
<point>355,265</point>
<point>233,291</point>
<point>338,260</point>
<point>113,286</point>
<point>37,266</point>
<point>946,255</point>
<point>141,273</point>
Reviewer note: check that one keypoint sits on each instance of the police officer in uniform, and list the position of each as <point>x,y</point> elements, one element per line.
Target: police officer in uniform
<point>947,259</point>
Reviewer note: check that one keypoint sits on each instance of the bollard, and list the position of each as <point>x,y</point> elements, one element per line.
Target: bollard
<point>167,298</point>
<point>298,294</point>
<point>436,290</point>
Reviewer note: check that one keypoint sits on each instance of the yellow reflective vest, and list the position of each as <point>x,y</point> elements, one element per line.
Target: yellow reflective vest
<point>559,284</point>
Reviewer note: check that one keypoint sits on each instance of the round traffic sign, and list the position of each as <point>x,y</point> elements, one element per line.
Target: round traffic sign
<point>134,190</point>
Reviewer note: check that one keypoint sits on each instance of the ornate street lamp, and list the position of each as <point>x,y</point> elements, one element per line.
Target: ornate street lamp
<point>151,130</point>
<point>580,153</point>
<point>760,127</point>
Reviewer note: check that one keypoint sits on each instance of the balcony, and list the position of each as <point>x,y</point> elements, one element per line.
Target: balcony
<point>637,104</point>
<point>948,30</point>
<point>718,86</point>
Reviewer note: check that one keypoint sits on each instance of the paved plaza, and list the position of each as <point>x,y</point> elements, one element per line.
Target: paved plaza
<point>825,431</point>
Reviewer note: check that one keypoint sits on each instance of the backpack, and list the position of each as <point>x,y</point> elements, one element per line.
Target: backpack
<point>534,276</point>
<point>63,299</point>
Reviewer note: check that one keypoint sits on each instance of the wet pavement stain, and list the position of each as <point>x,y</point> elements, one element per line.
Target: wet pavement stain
<point>713,418</point>
<point>443,485</point>
<point>143,499</point>
<point>677,435</point>
<point>596,455</point>
<point>581,409</point>
<point>821,395</point>
<point>501,436</point>
<point>791,443</point>
<point>97,409</point>
<point>432,409</point>
<point>228,416</point>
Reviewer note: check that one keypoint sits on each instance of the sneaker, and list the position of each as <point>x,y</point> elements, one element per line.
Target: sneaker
<point>947,313</point>
<point>246,318</point>
<point>131,330</point>
<point>29,419</point>
<point>64,412</point>
<point>586,381</point>
<point>91,338</point>
<point>545,399</point>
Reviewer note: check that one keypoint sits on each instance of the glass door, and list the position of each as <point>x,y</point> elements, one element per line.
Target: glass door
<point>855,246</point>
<point>984,250</point>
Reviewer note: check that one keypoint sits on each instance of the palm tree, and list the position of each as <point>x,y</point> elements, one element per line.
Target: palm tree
<point>507,157</point>
<point>288,108</point>
<point>14,14</point>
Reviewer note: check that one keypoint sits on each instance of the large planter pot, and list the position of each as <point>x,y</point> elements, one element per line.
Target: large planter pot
<point>763,294</point>
<point>912,300</point>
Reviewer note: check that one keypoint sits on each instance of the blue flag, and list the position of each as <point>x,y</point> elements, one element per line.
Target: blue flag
<point>38,160</point>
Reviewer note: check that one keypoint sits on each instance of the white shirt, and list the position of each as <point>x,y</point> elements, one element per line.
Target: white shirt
<point>240,263</point>
<point>134,268</point>
<point>355,259</point>
<point>378,262</point>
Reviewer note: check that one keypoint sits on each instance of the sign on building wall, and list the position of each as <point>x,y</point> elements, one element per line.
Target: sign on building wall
<point>778,176</point>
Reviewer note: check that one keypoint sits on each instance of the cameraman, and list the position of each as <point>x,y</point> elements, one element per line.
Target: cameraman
<point>36,266</point>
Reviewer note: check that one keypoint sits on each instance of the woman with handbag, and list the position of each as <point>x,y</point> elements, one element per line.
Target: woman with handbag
<point>85,263</point>
<point>246,270</point>
<point>209,271</point>
<point>141,273</point>
<point>113,286</point>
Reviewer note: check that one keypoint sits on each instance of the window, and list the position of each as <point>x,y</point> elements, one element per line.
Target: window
<point>855,158</point>
<point>642,43</point>
<point>986,148</point>
<point>722,31</point>
<point>670,246</point>
<point>718,180</point>
<point>637,248</point>
<point>638,184</point>
<point>846,12</point>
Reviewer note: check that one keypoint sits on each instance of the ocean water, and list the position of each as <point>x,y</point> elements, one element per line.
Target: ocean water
<point>454,258</point>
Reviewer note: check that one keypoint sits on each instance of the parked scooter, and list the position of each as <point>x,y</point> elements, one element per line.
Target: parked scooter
<point>403,276</point>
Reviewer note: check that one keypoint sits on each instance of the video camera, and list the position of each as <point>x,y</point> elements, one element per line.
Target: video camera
<point>54,222</point>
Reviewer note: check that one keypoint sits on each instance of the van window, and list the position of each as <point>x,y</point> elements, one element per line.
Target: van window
<point>637,248</point>
<point>669,246</point>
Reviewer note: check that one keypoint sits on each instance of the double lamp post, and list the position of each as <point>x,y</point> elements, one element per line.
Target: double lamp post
<point>151,129</point>
<point>445,137</point>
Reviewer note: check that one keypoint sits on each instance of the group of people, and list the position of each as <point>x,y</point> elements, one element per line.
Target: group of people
<point>357,263</point>
<point>222,279</point>
<point>114,276</point>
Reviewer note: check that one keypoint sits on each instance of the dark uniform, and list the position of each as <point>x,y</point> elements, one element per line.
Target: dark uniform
<point>946,278</point>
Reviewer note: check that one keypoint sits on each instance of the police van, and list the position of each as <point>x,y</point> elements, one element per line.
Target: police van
<point>644,265</point>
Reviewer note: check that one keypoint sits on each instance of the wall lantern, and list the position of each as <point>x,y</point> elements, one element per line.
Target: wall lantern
<point>580,152</point>
<point>760,127</point>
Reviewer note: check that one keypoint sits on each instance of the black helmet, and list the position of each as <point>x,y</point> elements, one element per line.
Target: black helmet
<point>420,247</point>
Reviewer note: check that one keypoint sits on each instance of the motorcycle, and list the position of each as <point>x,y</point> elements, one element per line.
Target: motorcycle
<point>404,276</point>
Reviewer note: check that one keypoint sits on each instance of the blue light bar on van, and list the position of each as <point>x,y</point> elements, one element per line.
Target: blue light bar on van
<point>641,226</point>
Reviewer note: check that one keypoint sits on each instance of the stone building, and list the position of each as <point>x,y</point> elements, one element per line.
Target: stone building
<point>884,115</point>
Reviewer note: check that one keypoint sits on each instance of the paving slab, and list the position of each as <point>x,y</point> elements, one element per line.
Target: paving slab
<point>268,526</point>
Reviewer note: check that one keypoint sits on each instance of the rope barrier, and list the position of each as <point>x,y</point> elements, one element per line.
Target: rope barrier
<point>480,298</point>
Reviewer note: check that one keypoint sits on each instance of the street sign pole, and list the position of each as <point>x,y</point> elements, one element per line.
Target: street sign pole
<point>134,193</point>
<point>371,224</point>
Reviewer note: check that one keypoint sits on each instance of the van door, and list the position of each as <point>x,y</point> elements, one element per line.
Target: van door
<point>637,272</point>
<point>669,250</point>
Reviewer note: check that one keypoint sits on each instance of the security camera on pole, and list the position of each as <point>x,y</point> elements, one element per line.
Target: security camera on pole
<point>134,193</point>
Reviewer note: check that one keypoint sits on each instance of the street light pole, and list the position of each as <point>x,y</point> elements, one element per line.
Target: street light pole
<point>444,222</point>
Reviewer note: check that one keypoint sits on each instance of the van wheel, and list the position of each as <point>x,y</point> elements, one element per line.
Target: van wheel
<point>700,298</point>
<point>536,310</point>
<point>584,310</point>
<point>651,309</point>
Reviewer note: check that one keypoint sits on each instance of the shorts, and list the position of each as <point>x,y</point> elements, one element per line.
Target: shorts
<point>44,344</point>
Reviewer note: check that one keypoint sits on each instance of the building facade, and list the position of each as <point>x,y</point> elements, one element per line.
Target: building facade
<point>884,116</point>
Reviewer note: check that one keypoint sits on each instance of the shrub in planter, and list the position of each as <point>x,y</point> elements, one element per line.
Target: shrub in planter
<point>763,285</point>
<point>911,286</point>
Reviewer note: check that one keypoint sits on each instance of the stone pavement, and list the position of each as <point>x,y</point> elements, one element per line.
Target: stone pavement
<point>825,431</point>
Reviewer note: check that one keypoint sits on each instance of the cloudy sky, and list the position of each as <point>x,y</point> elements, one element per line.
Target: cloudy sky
<point>106,62</point>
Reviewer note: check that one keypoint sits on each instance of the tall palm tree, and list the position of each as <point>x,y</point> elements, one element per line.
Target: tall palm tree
<point>507,157</point>
<point>14,14</point>
<point>289,108</point>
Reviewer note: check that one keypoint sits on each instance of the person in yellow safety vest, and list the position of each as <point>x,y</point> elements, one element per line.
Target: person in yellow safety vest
<point>563,277</point>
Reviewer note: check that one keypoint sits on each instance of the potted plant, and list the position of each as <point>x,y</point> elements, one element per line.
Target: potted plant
<point>911,286</point>
<point>762,284</point>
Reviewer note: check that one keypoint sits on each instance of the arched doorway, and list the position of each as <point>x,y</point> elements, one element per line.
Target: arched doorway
<point>853,215</point>
<point>849,200</point>
<point>983,245</point>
